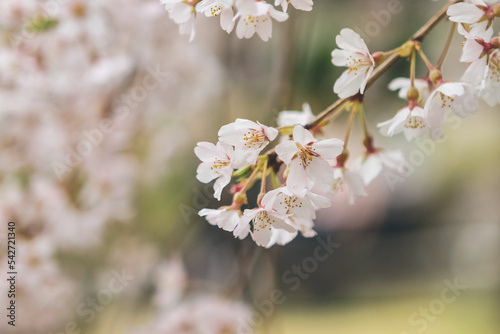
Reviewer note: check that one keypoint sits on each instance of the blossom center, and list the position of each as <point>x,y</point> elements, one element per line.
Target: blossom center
<point>446,101</point>
<point>306,154</point>
<point>263,220</point>
<point>218,165</point>
<point>254,138</point>
<point>414,122</point>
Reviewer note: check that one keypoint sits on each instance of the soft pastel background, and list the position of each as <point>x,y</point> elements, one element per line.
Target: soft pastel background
<point>130,203</point>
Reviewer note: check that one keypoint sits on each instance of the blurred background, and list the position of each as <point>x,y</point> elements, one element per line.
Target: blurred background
<point>101,105</point>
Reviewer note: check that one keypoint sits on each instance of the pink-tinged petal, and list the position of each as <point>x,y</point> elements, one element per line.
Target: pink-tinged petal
<point>476,71</point>
<point>355,185</point>
<point>465,13</point>
<point>247,6</point>
<point>206,151</point>
<point>297,178</point>
<point>350,40</point>
<point>282,225</point>
<point>341,57</point>
<point>366,76</point>
<point>318,201</point>
<point>348,84</point>
<point>271,133</point>
<point>222,181</point>
<point>277,15</point>
<point>472,51</point>
<point>241,229</point>
<point>280,237</point>
<point>321,173</point>
<point>181,12</point>
<point>269,199</point>
<point>370,169</point>
<point>226,19</point>
<point>395,124</point>
<point>230,221</point>
<point>302,136</point>
<point>242,232</point>
<point>286,151</point>
<point>205,173</point>
<point>329,148</point>
<point>434,112</point>
<point>452,89</point>
<point>262,237</point>
<point>305,5</point>
<point>264,28</point>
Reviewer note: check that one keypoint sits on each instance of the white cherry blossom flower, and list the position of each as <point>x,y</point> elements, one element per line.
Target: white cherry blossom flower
<point>182,13</point>
<point>489,89</point>
<point>256,16</point>
<point>475,52</point>
<point>469,12</point>
<point>226,219</point>
<point>248,137</point>
<point>218,163</point>
<point>306,157</point>
<point>370,165</point>
<point>291,118</point>
<point>402,85</point>
<point>264,223</point>
<point>219,8</point>
<point>458,97</point>
<point>302,210</point>
<point>350,181</point>
<point>305,5</point>
<point>408,120</point>
<point>353,53</point>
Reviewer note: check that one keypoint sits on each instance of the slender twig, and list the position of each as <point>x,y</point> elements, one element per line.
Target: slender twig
<point>377,73</point>
<point>447,45</point>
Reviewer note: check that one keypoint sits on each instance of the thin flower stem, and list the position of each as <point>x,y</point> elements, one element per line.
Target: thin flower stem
<point>382,68</point>
<point>424,57</point>
<point>250,179</point>
<point>263,182</point>
<point>350,122</point>
<point>363,121</point>
<point>412,68</point>
<point>447,45</point>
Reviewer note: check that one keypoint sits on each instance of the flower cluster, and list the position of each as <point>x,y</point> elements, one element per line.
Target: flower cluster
<point>253,16</point>
<point>313,166</point>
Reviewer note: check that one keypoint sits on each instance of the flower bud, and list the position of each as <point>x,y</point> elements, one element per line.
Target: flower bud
<point>406,49</point>
<point>495,42</point>
<point>240,199</point>
<point>496,10</point>
<point>412,94</point>
<point>378,57</point>
<point>435,76</point>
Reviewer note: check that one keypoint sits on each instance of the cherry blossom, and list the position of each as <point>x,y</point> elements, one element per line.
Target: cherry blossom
<point>292,118</point>
<point>182,13</point>
<point>218,8</point>
<point>218,162</point>
<point>305,5</point>
<point>455,96</point>
<point>248,137</point>
<point>265,222</point>
<point>370,165</point>
<point>402,85</point>
<point>471,12</point>
<point>353,53</point>
<point>306,157</point>
<point>302,210</point>
<point>256,16</point>
<point>225,218</point>
<point>409,120</point>
<point>350,181</point>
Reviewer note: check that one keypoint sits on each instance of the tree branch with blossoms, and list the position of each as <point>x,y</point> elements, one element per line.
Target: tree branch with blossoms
<point>313,166</point>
